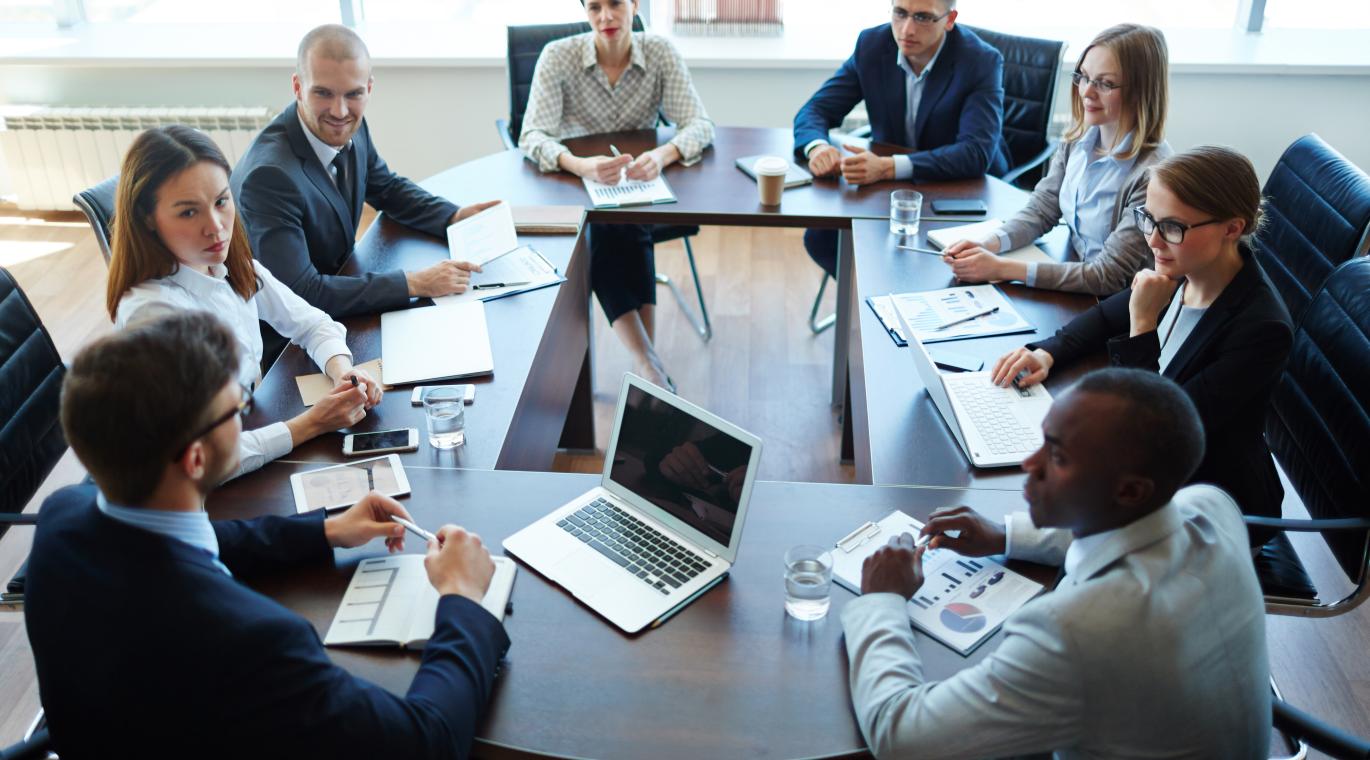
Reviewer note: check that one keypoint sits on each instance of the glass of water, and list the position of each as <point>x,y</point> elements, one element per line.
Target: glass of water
<point>808,582</point>
<point>905,207</point>
<point>445,411</point>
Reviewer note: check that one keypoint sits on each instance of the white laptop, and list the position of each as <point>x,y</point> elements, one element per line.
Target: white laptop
<point>665,522</point>
<point>996,427</point>
<point>431,343</point>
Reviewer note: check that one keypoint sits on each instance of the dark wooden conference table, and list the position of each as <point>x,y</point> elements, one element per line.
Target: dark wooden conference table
<point>730,675</point>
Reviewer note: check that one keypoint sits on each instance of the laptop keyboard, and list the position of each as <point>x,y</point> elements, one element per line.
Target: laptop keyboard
<point>988,407</point>
<point>656,560</point>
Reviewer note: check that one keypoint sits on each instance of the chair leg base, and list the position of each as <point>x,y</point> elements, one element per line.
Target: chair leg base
<point>817,325</point>
<point>700,321</point>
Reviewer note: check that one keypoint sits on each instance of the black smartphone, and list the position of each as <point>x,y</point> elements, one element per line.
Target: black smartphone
<point>956,362</point>
<point>959,207</point>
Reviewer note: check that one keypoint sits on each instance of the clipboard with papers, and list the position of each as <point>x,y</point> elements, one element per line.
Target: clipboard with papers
<point>629,192</point>
<point>963,601</point>
<point>942,315</point>
<point>490,239</point>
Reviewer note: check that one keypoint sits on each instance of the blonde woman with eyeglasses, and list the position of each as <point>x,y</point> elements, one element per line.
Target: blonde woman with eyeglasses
<point>1118,102</point>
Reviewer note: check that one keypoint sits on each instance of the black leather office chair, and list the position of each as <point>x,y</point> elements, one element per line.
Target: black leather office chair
<point>31,373</point>
<point>1317,216</point>
<point>1318,427</point>
<point>524,47</point>
<point>35,747</point>
<point>31,440</point>
<point>98,204</point>
<point>1031,69</point>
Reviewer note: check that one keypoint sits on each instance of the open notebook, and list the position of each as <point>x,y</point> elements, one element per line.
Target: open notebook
<point>941,238</point>
<point>390,602</point>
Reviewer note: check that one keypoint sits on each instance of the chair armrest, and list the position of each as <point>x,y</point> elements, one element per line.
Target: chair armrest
<point>1317,734</point>
<point>502,125</point>
<point>35,747</point>
<point>1034,162</point>
<point>20,518</point>
<point>1308,526</point>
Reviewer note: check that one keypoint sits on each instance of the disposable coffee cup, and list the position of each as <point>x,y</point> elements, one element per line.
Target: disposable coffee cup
<point>770,178</point>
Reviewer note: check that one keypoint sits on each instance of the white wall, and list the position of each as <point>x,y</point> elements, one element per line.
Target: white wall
<point>426,119</point>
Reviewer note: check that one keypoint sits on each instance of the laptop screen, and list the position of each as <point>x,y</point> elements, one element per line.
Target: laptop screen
<point>682,464</point>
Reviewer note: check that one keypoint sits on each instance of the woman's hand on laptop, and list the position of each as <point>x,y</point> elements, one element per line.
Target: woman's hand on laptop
<point>1025,366</point>
<point>458,563</point>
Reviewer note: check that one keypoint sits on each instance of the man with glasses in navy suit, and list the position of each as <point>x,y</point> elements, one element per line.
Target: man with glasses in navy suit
<point>928,85</point>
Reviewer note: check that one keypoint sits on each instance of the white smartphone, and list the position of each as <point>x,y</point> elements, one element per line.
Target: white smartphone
<point>468,393</point>
<point>381,441</point>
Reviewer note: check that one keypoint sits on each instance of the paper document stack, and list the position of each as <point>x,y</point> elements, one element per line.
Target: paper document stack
<point>963,601</point>
<point>629,192</point>
<point>490,240</point>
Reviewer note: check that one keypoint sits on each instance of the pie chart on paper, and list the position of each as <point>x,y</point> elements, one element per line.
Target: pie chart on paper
<point>963,618</point>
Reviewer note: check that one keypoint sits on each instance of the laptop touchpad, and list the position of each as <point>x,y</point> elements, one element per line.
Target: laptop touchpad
<point>584,572</point>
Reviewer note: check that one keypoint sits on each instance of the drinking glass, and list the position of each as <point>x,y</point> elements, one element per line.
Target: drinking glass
<point>808,582</point>
<point>905,207</point>
<point>444,409</point>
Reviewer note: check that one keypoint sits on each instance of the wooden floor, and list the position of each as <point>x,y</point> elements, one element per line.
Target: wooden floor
<point>762,370</point>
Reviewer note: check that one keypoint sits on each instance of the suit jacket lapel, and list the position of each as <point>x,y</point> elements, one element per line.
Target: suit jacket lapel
<point>309,164</point>
<point>1225,308</point>
<point>938,81</point>
<point>897,97</point>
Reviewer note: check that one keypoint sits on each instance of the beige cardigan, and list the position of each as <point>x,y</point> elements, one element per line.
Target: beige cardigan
<point>1125,251</point>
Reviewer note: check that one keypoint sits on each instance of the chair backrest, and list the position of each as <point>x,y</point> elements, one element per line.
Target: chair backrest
<point>525,45</point>
<point>1317,212</point>
<point>31,373</point>
<point>98,204</point>
<point>1319,420</point>
<point>1031,68</point>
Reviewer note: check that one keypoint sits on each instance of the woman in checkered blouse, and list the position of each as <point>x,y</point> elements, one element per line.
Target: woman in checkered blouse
<point>610,80</point>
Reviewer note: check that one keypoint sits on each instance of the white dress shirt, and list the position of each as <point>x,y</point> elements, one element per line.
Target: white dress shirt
<point>323,150</point>
<point>571,96</point>
<point>273,303</point>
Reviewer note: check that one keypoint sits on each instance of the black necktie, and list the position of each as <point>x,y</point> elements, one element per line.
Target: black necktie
<point>341,162</point>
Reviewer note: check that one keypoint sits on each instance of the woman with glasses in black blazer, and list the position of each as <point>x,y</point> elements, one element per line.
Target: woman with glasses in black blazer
<point>1207,318</point>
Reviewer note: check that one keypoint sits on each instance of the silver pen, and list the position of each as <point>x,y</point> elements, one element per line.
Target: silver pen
<point>614,151</point>
<point>412,528</point>
<point>984,313</point>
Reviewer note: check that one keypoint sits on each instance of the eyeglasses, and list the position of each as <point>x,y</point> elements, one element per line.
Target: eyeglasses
<point>243,408</point>
<point>899,16</point>
<point>1171,231</point>
<point>1101,85</point>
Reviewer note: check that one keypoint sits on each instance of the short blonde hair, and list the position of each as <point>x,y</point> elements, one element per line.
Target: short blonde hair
<point>1145,60</point>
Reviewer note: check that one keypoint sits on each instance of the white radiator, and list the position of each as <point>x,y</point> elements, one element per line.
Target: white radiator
<point>53,153</point>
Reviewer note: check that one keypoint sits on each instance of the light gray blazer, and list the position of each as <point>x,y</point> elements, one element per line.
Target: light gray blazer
<point>1125,251</point>
<point>1153,647</point>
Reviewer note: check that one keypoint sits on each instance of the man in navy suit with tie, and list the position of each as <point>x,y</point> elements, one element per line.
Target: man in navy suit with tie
<point>301,186</point>
<point>928,85</point>
<point>147,639</point>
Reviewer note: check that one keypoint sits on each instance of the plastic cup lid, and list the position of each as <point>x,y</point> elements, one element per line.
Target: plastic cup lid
<point>770,165</point>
